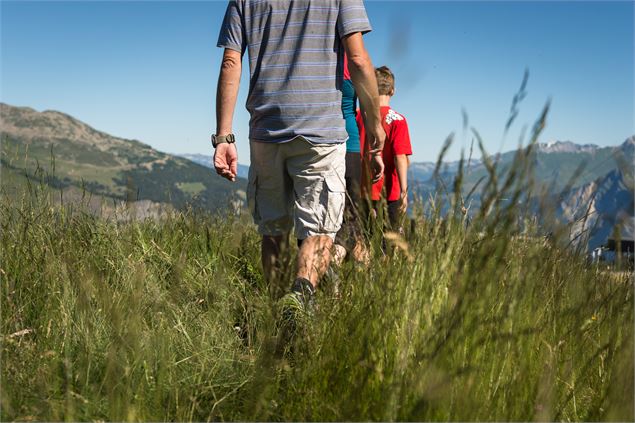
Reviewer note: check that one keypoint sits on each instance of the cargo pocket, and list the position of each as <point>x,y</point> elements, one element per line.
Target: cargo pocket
<point>252,187</point>
<point>335,191</point>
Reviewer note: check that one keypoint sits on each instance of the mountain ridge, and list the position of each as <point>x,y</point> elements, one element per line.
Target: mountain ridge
<point>549,159</point>
<point>81,156</point>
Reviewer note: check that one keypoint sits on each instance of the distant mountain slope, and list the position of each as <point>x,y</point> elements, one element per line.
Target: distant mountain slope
<point>107,165</point>
<point>573,178</point>
<point>608,203</point>
<point>207,161</point>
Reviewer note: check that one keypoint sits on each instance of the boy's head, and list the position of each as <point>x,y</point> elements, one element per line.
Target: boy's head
<point>385,81</point>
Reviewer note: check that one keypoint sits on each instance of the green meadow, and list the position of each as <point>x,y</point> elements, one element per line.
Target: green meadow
<point>468,317</point>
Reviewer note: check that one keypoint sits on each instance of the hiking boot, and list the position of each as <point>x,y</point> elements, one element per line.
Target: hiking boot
<point>298,306</point>
<point>297,309</point>
<point>301,297</point>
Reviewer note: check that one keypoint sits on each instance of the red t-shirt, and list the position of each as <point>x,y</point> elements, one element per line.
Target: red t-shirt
<point>397,142</point>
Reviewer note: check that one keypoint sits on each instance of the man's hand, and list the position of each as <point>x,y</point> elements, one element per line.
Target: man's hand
<point>376,137</point>
<point>226,161</point>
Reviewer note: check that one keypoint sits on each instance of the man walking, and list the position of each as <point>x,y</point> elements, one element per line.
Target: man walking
<point>296,130</point>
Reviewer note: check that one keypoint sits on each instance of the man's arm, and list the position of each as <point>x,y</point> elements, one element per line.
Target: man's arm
<point>226,156</point>
<point>365,83</point>
<point>363,78</point>
<point>401,165</point>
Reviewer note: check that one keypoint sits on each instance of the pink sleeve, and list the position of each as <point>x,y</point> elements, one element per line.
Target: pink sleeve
<point>347,74</point>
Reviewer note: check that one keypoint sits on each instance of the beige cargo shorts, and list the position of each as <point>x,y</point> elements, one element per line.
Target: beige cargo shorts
<point>297,184</point>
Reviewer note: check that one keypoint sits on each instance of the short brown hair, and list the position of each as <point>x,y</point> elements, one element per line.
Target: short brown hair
<point>385,80</point>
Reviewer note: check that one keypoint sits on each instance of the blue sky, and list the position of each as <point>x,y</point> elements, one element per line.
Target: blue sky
<point>148,70</point>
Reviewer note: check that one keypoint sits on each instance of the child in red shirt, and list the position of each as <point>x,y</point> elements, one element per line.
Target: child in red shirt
<point>397,148</point>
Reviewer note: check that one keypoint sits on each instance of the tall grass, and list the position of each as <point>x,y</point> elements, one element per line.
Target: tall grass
<point>170,319</point>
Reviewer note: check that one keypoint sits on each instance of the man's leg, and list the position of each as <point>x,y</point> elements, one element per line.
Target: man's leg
<point>269,196</point>
<point>273,248</point>
<point>319,189</point>
<point>314,257</point>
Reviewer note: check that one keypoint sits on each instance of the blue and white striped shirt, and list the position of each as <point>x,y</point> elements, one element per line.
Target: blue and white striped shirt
<point>295,64</point>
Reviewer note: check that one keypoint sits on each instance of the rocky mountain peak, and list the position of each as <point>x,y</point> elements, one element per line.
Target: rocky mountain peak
<point>628,146</point>
<point>566,147</point>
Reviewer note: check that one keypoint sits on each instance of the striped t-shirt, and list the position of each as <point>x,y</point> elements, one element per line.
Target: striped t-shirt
<point>295,64</point>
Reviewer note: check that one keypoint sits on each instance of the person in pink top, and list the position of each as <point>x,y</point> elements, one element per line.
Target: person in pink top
<point>349,238</point>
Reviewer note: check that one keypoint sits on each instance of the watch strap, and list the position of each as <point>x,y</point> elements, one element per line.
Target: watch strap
<point>221,139</point>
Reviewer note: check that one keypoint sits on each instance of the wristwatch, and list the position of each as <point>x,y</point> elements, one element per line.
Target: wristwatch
<point>220,139</point>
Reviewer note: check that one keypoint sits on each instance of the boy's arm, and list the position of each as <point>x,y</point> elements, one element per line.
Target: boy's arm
<point>401,165</point>
<point>402,149</point>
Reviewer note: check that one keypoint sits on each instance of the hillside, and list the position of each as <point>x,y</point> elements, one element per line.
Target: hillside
<point>79,156</point>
